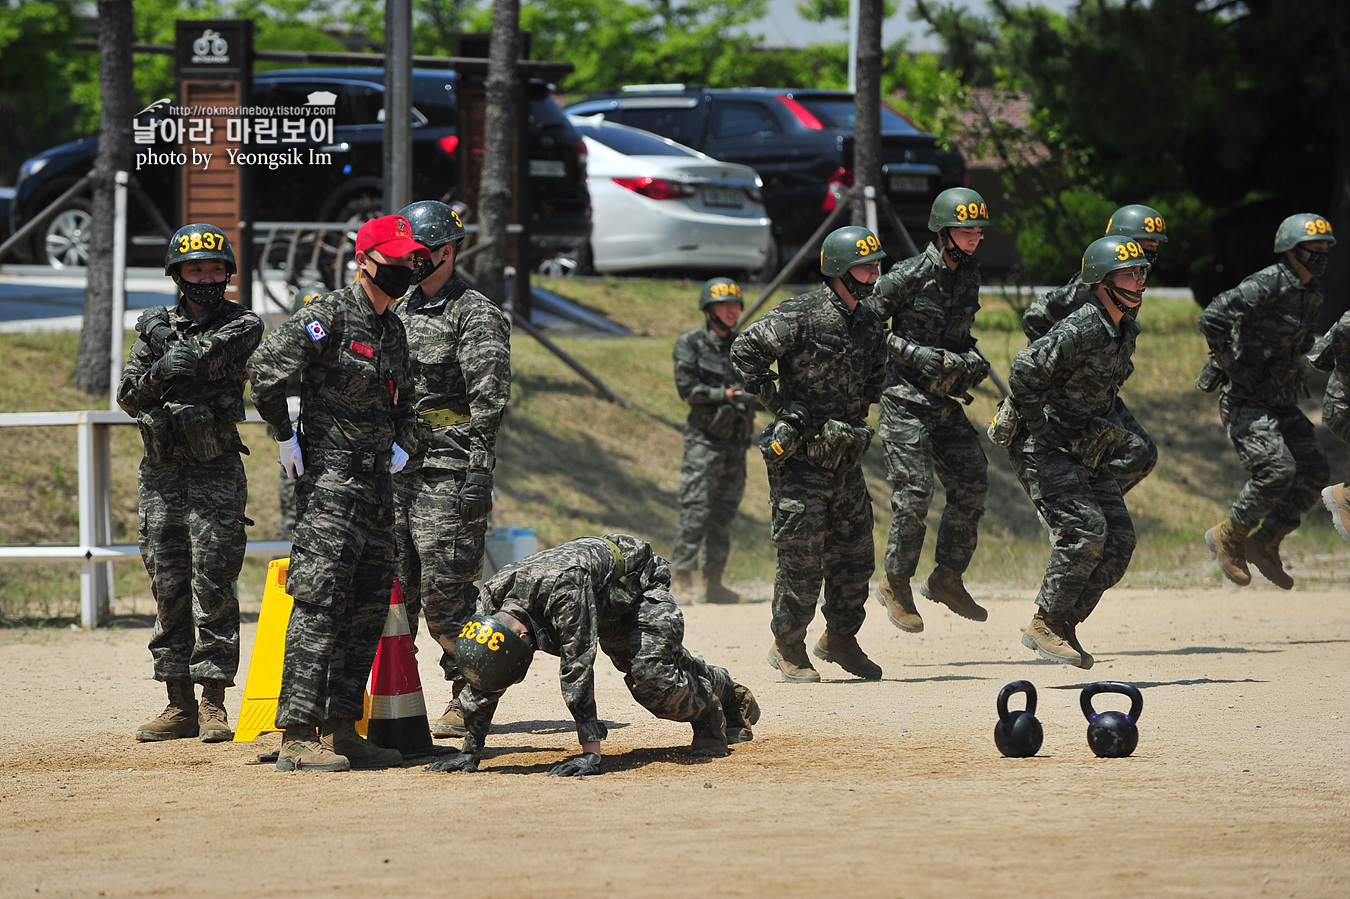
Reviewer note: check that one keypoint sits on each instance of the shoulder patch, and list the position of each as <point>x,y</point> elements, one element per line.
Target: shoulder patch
<point>315,331</point>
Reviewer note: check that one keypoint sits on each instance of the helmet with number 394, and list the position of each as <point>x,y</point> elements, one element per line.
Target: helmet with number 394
<point>846,247</point>
<point>1110,254</point>
<point>1300,228</point>
<point>198,241</point>
<point>719,290</point>
<point>958,207</point>
<point>490,655</point>
<point>1138,222</point>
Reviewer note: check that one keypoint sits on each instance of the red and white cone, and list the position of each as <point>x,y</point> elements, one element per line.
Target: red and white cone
<point>398,714</point>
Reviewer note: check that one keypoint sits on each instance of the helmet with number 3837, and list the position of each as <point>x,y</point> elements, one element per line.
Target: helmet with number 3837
<point>846,247</point>
<point>1302,227</point>
<point>1111,254</point>
<point>198,241</point>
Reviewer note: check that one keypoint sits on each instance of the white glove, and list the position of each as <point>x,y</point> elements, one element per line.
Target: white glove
<point>291,458</point>
<point>399,460</point>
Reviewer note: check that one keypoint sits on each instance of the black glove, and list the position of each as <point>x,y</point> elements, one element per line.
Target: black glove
<point>475,497</point>
<point>795,413</point>
<point>577,766</point>
<point>460,761</point>
<point>927,360</point>
<point>154,326</point>
<point>180,359</point>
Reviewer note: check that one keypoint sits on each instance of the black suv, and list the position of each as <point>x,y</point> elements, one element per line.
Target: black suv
<point>800,142</point>
<point>350,186</point>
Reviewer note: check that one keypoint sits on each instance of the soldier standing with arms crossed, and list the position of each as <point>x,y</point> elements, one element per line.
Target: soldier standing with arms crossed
<point>351,353</point>
<point>184,385</point>
<point>459,344</point>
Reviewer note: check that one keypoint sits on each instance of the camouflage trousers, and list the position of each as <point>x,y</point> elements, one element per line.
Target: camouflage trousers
<point>1136,455</point>
<point>822,528</point>
<point>286,500</point>
<point>712,482</point>
<point>440,555</point>
<point>1336,409</point>
<point>341,575</point>
<point>1093,533</point>
<point>1279,450</point>
<point>919,442</point>
<point>190,527</point>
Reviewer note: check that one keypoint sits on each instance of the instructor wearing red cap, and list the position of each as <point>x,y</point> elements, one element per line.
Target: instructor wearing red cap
<point>355,410</point>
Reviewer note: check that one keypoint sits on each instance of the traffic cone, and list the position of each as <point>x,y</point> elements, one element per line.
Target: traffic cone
<point>397,715</point>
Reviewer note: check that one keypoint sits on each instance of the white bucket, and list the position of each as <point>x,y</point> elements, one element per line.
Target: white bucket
<point>506,545</point>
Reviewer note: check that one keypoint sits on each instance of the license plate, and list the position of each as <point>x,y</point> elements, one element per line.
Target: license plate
<point>909,184</point>
<point>726,197</point>
<point>548,168</point>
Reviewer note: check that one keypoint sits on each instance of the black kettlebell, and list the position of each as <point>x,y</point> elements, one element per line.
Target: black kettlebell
<point>1112,735</point>
<point>1018,734</point>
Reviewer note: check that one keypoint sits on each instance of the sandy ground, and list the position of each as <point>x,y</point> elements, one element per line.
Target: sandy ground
<point>1240,785</point>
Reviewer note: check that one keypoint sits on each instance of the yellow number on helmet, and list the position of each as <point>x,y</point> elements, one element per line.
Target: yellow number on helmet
<point>495,643</point>
<point>1122,253</point>
<point>183,244</point>
<point>1134,249</point>
<point>455,215</point>
<point>1108,225</point>
<point>1310,227</point>
<point>861,244</point>
<point>873,242</point>
<point>1323,227</point>
<point>196,240</point>
<point>961,214</point>
<point>984,211</point>
<point>483,635</point>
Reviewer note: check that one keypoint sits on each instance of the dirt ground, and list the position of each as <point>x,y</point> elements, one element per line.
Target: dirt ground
<point>1240,785</point>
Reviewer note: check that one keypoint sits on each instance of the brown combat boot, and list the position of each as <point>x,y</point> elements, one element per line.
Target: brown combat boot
<point>1228,542</point>
<point>710,731</point>
<point>211,715</point>
<point>1070,631</point>
<point>714,590</point>
<point>743,712</point>
<point>451,722</point>
<point>793,662</point>
<point>945,586</point>
<point>302,750</point>
<point>1337,500</point>
<point>1263,551</point>
<point>339,735</point>
<point>847,654</point>
<point>179,718</point>
<point>898,599</point>
<point>1047,637</point>
<point>682,585</point>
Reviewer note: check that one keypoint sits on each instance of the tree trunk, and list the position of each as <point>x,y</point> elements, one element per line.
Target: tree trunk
<point>114,154</point>
<point>867,107</point>
<point>499,125</point>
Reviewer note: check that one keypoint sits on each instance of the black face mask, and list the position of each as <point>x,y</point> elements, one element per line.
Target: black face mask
<point>424,268</point>
<point>861,290</point>
<point>393,280</point>
<point>1313,261</point>
<point>954,253</point>
<point>208,294</point>
<point>1151,256</point>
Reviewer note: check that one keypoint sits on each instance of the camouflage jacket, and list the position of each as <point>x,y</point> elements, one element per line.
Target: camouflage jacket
<point>1071,376</point>
<point>224,338</point>
<point>1331,352</point>
<point>1054,306</point>
<point>1259,331</point>
<point>829,358</point>
<point>567,623</point>
<point>460,346</point>
<point>926,303</point>
<point>354,369</point>
<point>703,373</point>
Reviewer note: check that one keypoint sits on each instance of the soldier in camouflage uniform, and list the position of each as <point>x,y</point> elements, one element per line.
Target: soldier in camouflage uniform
<point>608,593</point>
<point>830,351</point>
<point>930,302</point>
<point>1332,353</point>
<point>717,433</point>
<point>1137,454</point>
<point>285,483</point>
<point>459,343</point>
<point>352,356</point>
<point>1257,334</point>
<point>1064,387</point>
<point>184,385</point>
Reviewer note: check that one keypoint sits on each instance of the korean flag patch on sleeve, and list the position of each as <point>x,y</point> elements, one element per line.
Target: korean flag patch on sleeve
<point>316,331</point>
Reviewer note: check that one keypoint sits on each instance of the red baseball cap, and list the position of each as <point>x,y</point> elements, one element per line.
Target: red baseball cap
<point>391,235</point>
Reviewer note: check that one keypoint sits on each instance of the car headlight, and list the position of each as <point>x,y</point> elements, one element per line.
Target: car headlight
<point>33,166</point>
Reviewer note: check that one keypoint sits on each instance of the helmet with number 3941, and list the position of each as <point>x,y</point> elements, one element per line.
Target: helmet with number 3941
<point>1300,228</point>
<point>958,207</point>
<point>1110,254</point>
<point>846,247</point>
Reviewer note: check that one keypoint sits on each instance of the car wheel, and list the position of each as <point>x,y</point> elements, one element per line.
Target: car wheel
<point>772,262</point>
<point>568,263</point>
<point>66,239</point>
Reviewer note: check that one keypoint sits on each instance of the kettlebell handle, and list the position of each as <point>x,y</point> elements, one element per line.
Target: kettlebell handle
<point>1108,686</point>
<point>1017,686</point>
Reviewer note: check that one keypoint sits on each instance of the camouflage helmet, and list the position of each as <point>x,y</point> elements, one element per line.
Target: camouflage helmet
<point>1109,254</point>
<point>958,207</point>
<point>198,241</point>
<point>846,247</point>
<point>490,655</point>
<point>1300,228</point>
<point>719,290</point>
<point>434,224</point>
<point>1139,222</point>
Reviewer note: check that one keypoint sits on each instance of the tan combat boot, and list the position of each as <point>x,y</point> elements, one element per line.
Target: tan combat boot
<point>179,718</point>
<point>743,712</point>
<point>714,590</point>
<point>1263,551</point>
<point>1228,542</point>
<point>1046,636</point>
<point>847,654</point>
<point>211,715</point>
<point>1070,631</point>
<point>896,596</point>
<point>710,732</point>
<point>451,722</point>
<point>302,750</point>
<point>682,585</point>
<point>1337,500</point>
<point>793,662</point>
<point>339,735</point>
<point>945,586</point>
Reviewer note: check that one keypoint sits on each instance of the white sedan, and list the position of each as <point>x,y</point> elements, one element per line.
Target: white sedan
<point>660,205</point>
